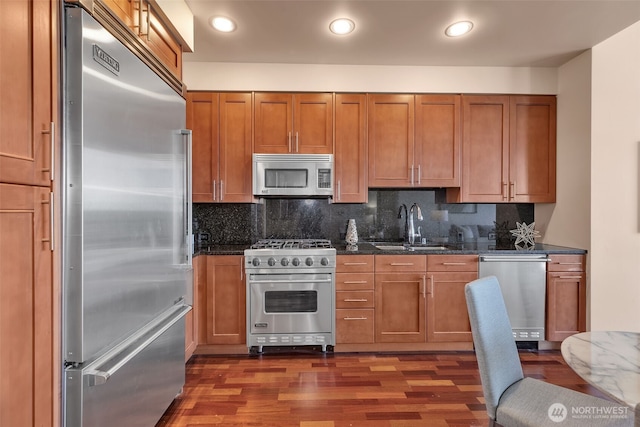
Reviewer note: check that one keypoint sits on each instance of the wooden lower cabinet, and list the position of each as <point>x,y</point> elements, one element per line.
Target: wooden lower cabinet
<point>355,299</point>
<point>400,291</point>
<point>26,308</point>
<point>566,296</point>
<point>192,319</point>
<point>225,300</point>
<point>400,308</point>
<point>447,316</point>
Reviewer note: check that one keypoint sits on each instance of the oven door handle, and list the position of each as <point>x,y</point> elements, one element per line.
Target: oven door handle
<point>291,281</point>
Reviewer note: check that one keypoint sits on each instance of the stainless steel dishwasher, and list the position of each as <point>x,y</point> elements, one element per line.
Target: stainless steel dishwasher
<point>523,284</point>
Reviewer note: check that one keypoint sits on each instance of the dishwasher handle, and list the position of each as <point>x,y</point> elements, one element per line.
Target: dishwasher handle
<point>514,258</point>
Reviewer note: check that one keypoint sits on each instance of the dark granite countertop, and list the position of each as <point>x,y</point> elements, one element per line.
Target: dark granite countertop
<point>365,248</point>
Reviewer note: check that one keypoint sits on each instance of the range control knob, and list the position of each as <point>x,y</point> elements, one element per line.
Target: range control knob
<point>271,261</point>
<point>296,261</point>
<point>324,261</point>
<point>284,262</point>
<point>256,262</point>
<point>309,261</point>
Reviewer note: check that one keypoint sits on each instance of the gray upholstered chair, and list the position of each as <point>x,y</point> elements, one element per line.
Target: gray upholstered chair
<point>511,399</point>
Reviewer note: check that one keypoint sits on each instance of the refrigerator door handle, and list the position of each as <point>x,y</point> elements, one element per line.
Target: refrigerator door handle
<point>189,199</point>
<point>97,376</point>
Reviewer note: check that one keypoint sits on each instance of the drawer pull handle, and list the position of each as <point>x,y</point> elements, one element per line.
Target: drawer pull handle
<point>354,318</point>
<point>355,300</point>
<point>570,277</point>
<point>569,263</point>
<point>454,263</point>
<point>396,264</point>
<point>355,263</point>
<point>352,282</point>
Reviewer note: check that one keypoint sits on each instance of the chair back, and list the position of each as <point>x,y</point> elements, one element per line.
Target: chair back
<point>496,351</point>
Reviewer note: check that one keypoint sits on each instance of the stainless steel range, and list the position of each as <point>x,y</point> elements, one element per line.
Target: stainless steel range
<point>290,293</point>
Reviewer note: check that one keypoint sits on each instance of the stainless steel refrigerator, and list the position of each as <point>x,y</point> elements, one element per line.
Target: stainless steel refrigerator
<point>126,225</point>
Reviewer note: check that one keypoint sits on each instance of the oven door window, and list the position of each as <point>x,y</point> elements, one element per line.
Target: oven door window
<point>291,301</point>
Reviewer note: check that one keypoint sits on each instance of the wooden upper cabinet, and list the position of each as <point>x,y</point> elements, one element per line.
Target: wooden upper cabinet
<point>160,41</point>
<point>202,119</point>
<point>126,10</point>
<point>293,123</point>
<point>351,149</point>
<point>485,149</point>
<point>221,125</point>
<point>391,134</point>
<point>28,352</point>
<point>235,148</point>
<point>142,18</point>
<point>26,88</point>
<point>532,148</point>
<point>437,141</point>
<point>414,141</point>
<point>509,149</point>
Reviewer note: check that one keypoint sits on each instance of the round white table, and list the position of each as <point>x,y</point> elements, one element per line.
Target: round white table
<point>608,360</point>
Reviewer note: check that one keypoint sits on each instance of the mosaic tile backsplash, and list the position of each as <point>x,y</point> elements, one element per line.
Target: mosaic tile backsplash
<point>377,220</point>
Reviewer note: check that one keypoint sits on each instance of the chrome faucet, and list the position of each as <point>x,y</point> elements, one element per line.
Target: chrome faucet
<point>409,227</point>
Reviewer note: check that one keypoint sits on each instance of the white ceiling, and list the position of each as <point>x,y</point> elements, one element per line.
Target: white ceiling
<point>391,32</point>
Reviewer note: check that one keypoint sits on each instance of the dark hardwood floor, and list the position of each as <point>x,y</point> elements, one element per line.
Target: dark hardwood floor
<point>306,389</point>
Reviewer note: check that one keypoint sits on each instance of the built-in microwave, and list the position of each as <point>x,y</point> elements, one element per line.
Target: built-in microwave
<point>297,175</point>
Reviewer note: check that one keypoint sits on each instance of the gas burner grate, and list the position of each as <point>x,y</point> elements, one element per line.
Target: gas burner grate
<point>292,244</point>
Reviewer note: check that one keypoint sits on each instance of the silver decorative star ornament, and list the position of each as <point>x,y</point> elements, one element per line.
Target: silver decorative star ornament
<point>525,234</point>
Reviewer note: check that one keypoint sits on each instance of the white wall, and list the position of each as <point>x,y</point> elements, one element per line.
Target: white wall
<point>356,78</point>
<point>615,182</point>
<point>568,222</point>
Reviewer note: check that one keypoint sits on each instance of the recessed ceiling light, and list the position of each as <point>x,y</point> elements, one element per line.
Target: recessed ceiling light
<point>459,28</point>
<point>342,26</point>
<point>223,24</point>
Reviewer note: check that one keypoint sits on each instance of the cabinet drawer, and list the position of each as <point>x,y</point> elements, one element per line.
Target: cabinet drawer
<point>354,264</point>
<point>354,281</point>
<point>356,299</point>
<point>566,263</point>
<point>401,263</point>
<point>452,262</point>
<point>354,326</point>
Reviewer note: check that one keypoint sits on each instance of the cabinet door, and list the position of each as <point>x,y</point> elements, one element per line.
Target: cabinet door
<point>192,317</point>
<point>235,148</point>
<point>226,300</point>
<point>312,123</point>
<point>566,296</point>
<point>160,41</point>
<point>437,141</point>
<point>485,149</point>
<point>351,149</point>
<point>400,301</point>
<point>202,119</point>
<point>532,148</point>
<point>391,133</point>
<point>26,304</point>
<point>126,10</point>
<point>355,326</point>
<point>26,88</point>
<point>273,123</point>
<point>447,316</point>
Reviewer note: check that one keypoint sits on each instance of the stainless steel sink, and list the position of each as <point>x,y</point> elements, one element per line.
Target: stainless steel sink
<point>396,247</point>
<point>427,248</point>
<point>391,247</point>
